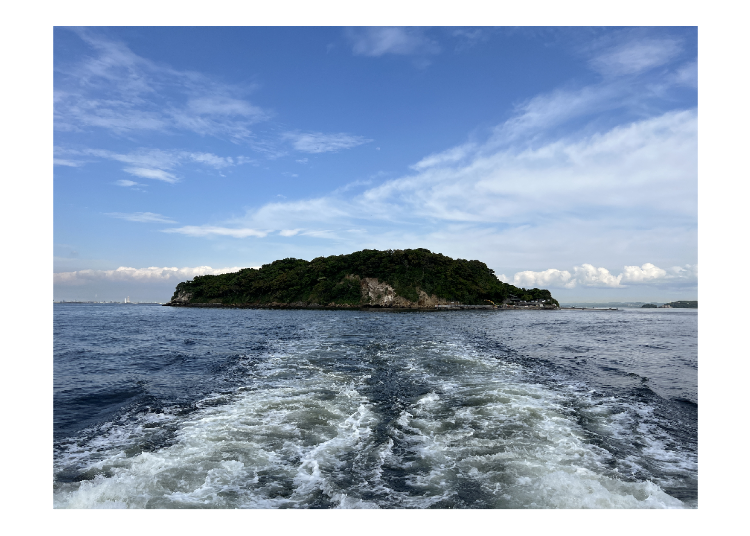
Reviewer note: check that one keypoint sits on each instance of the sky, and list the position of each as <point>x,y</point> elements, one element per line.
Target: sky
<point>563,158</point>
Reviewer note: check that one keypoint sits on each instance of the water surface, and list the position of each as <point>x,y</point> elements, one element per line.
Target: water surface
<point>160,407</point>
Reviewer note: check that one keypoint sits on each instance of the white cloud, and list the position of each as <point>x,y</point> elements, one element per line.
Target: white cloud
<point>587,275</point>
<point>317,142</point>
<point>687,272</point>
<point>548,110</point>
<point>141,275</point>
<point>217,162</point>
<point>126,183</point>
<point>469,38</point>
<point>289,232</point>
<point>143,217</point>
<point>547,278</point>
<point>157,174</point>
<point>647,272</point>
<point>509,185</point>
<point>213,230</point>
<point>524,196</point>
<point>149,158</point>
<point>391,40</point>
<point>115,89</point>
<point>446,157</point>
<point>226,106</point>
<point>157,164</point>
<point>687,75</point>
<point>64,162</point>
<point>636,56</point>
<point>627,184</point>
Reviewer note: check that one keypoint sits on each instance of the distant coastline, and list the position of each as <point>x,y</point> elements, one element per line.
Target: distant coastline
<point>682,304</point>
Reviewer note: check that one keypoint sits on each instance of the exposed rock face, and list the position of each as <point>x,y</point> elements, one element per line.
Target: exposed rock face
<point>182,297</point>
<point>380,294</point>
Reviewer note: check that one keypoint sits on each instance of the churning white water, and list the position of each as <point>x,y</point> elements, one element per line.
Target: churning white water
<point>363,410</point>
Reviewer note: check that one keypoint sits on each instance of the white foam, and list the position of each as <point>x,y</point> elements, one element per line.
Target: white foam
<point>304,434</point>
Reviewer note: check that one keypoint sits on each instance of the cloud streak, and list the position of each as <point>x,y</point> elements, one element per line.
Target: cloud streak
<point>154,163</point>
<point>213,230</point>
<point>378,41</point>
<point>156,174</point>
<point>635,56</point>
<point>318,142</point>
<point>142,217</point>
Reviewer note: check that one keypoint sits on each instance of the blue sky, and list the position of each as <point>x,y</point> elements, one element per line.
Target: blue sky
<point>564,158</point>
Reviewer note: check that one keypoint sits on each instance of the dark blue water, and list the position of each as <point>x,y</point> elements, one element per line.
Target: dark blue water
<point>160,407</point>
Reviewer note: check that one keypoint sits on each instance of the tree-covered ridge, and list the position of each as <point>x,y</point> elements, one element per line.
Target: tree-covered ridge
<point>337,280</point>
<point>683,304</point>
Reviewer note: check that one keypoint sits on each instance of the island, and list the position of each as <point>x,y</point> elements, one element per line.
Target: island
<point>681,304</point>
<point>392,279</point>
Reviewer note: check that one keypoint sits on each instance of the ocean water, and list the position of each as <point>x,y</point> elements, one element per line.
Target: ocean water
<point>161,407</point>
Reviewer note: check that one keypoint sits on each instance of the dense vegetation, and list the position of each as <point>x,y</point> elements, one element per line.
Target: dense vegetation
<point>336,280</point>
<point>683,304</point>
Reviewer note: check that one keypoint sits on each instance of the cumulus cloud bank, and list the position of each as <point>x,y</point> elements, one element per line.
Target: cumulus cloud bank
<point>587,275</point>
<point>152,274</point>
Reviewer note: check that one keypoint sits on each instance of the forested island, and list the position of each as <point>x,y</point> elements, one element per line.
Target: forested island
<point>408,278</point>
<point>681,304</point>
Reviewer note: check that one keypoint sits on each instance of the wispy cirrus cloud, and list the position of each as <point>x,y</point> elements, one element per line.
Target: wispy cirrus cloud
<point>687,75</point>
<point>154,163</point>
<point>318,142</point>
<point>214,230</point>
<point>127,183</point>
<point>588,185</point>
<point>157,174</point>
<point>290,232</point>
<point>120,91</point>
<point>450,156</point>
<point>126,94</point>
<point>377,41</point>
<point>143,217</point>
<point>65,162</point>
<point>635,56</point>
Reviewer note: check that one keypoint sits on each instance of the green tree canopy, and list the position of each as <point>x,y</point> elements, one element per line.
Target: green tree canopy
<point>336,279</point>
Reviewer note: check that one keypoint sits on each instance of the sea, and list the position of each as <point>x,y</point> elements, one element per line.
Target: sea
<point>167,407</point>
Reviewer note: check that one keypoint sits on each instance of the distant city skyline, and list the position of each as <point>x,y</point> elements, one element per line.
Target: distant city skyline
<point>563,158</point>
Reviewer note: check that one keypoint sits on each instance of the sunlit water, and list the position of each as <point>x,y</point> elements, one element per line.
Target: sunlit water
<point>160,407</point>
